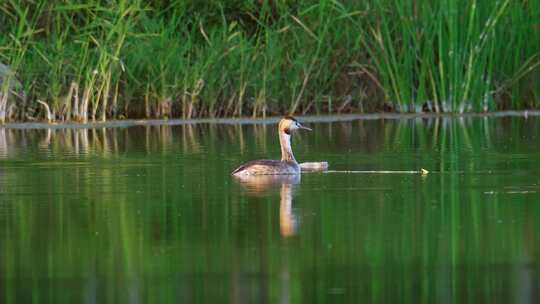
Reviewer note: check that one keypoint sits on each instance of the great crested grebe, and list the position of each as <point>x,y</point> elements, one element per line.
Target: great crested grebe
<point>287,165</point>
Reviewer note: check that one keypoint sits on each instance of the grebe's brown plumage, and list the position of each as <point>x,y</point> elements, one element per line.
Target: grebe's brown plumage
<point>268,167</point>
<point>287,165</point>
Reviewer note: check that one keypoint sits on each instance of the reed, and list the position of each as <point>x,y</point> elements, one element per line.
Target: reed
<point>97,60</point>
<point>454,56</point>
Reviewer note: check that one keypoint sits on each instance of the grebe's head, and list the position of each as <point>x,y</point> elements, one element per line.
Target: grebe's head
<point>289,124</point>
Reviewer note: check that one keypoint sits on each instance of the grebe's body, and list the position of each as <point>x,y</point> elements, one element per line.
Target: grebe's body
<point>268,167</point>
<point>287,164</point>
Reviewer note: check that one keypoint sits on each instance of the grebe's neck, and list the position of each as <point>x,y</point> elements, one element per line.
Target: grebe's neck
<point>286,150</point>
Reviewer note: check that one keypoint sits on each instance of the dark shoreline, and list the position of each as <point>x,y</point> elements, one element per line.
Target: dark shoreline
<point>269,120</point>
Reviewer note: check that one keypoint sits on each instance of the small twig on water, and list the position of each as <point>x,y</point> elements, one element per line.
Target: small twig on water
<point>421,171</point>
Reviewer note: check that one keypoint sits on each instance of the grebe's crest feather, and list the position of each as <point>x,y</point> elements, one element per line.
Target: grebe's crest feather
<point>290,118</point>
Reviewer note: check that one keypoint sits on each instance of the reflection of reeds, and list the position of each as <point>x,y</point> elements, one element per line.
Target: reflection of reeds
<point>3,143</point>
<point>260,133</point>
<point>444,133</point>
<point>190,142</point>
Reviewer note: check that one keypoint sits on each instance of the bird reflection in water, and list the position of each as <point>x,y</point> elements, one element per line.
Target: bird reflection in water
<point>265,184</point>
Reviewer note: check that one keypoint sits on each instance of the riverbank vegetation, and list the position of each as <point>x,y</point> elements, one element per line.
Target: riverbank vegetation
<point>97,60</point>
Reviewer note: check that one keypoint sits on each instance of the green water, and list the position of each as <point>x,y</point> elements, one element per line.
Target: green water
<point>151,215</point>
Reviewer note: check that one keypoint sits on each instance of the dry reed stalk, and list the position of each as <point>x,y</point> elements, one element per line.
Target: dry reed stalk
<point>3,106</point>
<point>49,115</point>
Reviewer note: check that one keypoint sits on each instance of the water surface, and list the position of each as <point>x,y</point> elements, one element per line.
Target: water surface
<point>149,214</point>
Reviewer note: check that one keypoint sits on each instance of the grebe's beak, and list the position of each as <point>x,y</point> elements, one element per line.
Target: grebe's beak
<point>303,127</point>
